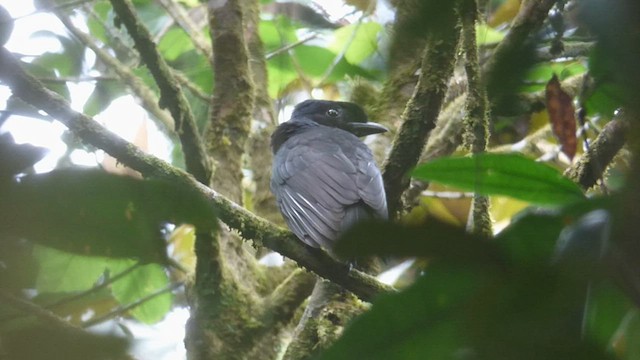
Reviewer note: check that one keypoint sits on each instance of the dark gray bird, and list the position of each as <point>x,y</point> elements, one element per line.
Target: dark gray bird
<point>324,178</point>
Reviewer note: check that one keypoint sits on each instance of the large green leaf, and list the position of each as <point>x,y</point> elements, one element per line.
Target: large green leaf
<point>315,61</point>
<point>505,299</point>
<point>143,281</point>
<point>465,307</point>
<point>502,174</point>
<point>60,271</point>
<point>277,33</point>
<point>90,212</point>
<point>63,272</point>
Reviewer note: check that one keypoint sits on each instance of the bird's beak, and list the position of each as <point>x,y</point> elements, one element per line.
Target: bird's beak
<point>364,129</point>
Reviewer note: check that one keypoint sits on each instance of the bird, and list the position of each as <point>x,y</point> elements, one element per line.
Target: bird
<point>323,176</point>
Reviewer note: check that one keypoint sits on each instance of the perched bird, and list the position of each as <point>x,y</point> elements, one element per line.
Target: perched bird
<point>324,178</point>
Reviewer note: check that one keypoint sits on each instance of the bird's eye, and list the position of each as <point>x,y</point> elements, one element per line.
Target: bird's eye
<point>332,113</point>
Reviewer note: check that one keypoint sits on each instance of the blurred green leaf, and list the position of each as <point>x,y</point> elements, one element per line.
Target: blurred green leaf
<point>67,62</point>
<point>606,310</point>
<point>502,174</point>
<point>102,96</point>
<point>141,282</point>
<point>15,158</point>
<point>44,70</point>
<point>96,27</point>
<point>486,35</point>
<point>360,45</point>
<point>530,239</point>
<point>276,33</point>
<point>61,271</point>
<point>469,310</point>
<point>153,16</point>
<point>174,43</point>
<point>626,341</point>
<point>538,75</point>
<point>422,322</point>
<point>281,74</point>
<point>315,61</point>
<point>62,343</point>
<point>90,212</point>
<point>452,242</point>
<point>197,68</point>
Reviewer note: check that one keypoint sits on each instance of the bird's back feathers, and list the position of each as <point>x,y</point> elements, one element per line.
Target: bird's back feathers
<point>325,180</point>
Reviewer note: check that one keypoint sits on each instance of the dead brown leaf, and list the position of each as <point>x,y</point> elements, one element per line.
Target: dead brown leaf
<point>562,116</point>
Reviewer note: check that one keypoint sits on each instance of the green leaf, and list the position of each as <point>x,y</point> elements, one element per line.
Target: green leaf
<point>60,271</point>
<point>276,33</point>
<point>315,61</point>
<point>531,238</point>
<point>103,94</point>
<point>486,35</point>
<point>96,26</point>
<point>538,75</point>
<point>44,67</point>
<point>359,45</point>
<point>451,242</point>
<point>422,322</point>
<point>281,73</point>
<point>502,174</point>
<point>455,311</point>
<point>90,212</point>
<point>143,281</point>
<point>174,43</point>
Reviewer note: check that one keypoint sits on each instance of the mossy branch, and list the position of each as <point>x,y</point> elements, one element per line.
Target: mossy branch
<point>250,226</point>
<point>233,96</point>
<point>422,110</point>
<point>171,95</point>
<point>591,166</point>
<point>529,20</point>
<point>477,116</point>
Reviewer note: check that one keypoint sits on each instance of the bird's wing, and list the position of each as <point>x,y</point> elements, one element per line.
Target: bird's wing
<point>370,184</point>
<point>319,189</point>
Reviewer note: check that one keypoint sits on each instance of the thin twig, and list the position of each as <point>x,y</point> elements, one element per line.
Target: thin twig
<point>181,18</point>
<point>125,308</point>
<point>286,48</point>
<point>449,195</point>
<point>94,289</point>
<point>144,93</point>
<point>343,51</point>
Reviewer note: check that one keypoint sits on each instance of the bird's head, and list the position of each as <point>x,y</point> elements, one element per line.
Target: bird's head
<point>343,115</point>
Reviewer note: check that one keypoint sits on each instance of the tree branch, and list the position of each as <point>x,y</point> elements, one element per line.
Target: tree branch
<point>591,165</point>
<point>233,96</point>
<point>171,95</point>
<point>529,20</point>
<point>247,224</point>
<point>422,110</point>
<point>477,116</point>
